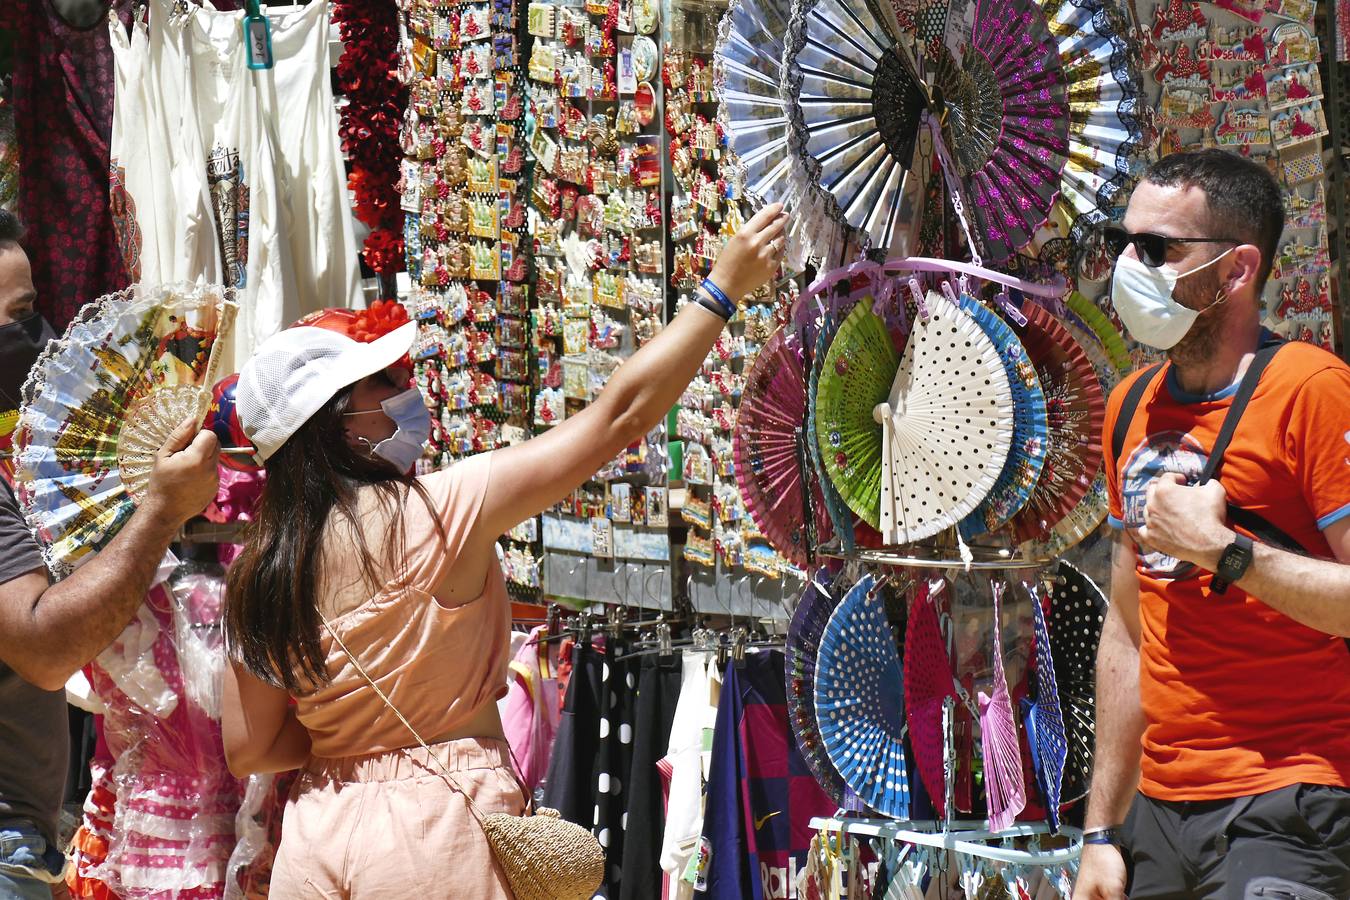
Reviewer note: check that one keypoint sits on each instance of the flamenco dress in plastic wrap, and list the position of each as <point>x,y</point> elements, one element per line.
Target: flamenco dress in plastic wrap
<point>162,811</point>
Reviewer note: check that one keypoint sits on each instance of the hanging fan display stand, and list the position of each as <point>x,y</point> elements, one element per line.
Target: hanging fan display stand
<point>945,551</point>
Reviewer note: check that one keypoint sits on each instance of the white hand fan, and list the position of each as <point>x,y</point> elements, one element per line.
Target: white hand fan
<point>947,426</point>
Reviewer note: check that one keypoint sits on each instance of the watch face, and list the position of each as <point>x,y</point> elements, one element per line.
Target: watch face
<point>1235,559</point>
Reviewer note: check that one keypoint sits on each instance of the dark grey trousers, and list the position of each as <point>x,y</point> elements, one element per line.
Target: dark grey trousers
<point>1288,844</point>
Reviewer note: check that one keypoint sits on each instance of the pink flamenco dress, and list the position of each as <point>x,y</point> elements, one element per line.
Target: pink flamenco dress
<point>160,821</point>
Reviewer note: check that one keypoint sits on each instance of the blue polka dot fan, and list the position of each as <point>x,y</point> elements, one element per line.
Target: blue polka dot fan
<point>860,700</point>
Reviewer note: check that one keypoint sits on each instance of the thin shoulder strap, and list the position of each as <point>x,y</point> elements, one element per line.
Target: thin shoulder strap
<point>445,770</point>
<point>1240,400</point>
<point>1128,409</point>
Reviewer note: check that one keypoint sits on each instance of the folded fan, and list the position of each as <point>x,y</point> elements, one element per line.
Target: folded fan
<point>766,444</point>
<point>854,102</point>
<point>1005,111</point>
<point>1077,611</point>
<point>808,624</point>
<point>1102,76</point>
<point>1004,788</point>
<point>928,688</point>
<point>1044,721</point>
<point>1026,456</point>
<point>841,517</point>
<point>1075,408</point>
<point>748,74</point>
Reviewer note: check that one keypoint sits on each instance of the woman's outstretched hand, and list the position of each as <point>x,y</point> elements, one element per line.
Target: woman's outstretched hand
<point>753,255</point>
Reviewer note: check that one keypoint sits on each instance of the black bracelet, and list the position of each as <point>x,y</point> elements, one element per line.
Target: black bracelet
<point>720,296</point>
<point>711,306</point>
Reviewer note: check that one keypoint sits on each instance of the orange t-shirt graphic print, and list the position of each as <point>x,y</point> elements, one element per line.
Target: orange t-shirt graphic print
<point>1238,698</point>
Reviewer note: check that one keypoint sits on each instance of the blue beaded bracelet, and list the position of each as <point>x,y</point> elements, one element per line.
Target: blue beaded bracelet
<point>720,296</point>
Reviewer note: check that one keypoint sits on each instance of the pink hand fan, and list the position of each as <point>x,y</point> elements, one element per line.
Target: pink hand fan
<point>766,444</point>
<point>1003,782</point>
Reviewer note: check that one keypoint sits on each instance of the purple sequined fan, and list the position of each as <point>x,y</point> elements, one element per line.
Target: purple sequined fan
<point>1006,118</point>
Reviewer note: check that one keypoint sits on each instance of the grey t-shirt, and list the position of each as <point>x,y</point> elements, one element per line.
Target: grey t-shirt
<point>34,728</point>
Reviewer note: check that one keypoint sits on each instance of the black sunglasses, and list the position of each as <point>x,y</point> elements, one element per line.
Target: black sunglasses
<point>1152,248</point>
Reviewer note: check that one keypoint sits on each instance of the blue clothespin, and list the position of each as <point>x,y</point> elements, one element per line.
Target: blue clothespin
<point>257,36</point>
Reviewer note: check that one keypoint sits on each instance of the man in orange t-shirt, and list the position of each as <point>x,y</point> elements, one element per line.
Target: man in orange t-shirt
<point>1223,681</point>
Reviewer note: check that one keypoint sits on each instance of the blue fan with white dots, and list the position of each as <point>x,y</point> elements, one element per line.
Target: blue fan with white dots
<point>1045,721</point>
<point>860,700</point>
<point>1030,435</point>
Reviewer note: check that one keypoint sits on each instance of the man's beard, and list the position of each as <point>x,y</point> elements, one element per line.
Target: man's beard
<point>1198,292</point>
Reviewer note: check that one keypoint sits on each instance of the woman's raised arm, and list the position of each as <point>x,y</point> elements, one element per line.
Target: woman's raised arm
<point>531,477</point>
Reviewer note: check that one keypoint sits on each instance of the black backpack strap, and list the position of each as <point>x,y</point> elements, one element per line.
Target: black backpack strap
<point>1128,409</point>
<point>1263,530</point>
<point>1240,401</point>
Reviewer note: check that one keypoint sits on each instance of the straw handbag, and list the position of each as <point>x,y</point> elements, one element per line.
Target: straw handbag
<point>544,856</point>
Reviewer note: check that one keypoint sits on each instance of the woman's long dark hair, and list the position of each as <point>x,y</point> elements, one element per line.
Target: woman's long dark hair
<point>271,612</point>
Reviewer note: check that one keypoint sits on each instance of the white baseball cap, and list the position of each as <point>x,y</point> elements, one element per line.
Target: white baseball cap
<point>295,372</point>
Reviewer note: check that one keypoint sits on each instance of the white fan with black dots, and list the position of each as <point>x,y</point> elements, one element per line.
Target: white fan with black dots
<point>947,425</point>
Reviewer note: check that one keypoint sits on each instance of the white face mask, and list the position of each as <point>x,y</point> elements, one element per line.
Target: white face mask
<point>1142,296</point>
<point>412,427</point>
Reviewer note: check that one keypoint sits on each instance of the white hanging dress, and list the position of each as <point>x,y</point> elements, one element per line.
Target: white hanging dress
<point>160,209</point>
<point>236,175</point>
<point>274,167</point>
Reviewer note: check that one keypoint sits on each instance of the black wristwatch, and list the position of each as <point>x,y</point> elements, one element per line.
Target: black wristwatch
<point>1233,564</point>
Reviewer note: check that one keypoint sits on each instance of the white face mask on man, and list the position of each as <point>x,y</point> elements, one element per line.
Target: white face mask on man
<point>412,427</point>
<point>1142,296</point>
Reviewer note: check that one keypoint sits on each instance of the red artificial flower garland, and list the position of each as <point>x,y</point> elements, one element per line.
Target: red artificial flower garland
<point>367,73</point>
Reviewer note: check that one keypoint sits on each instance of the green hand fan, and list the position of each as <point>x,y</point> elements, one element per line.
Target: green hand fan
<point>1106,333</point>
<point>857,375</point>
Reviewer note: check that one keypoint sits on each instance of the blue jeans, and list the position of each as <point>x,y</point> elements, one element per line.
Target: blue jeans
<point>28,864</point>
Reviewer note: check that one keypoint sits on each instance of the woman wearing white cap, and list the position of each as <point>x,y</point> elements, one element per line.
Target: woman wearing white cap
<point>348,576</point>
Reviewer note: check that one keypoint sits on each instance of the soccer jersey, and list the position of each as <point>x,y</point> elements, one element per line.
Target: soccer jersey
<point>761,796</point>
<point>1238,698</point>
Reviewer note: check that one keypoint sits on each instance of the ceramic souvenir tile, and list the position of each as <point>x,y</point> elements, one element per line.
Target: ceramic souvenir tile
<point>1184,108</point>
<point>602,537</point>
<point>698,549</point>
<point>1293,85</point>
<point>1182,68</point>
<point>1291,43</point>
<point>1239,84</point>
<point>474,23</point>
<point>1296,124</point>
<point>1242,125</point>
<point>1178,20</point>
<point>1238,44</point>
<point>1306,211</point>
<point>657,506</point>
